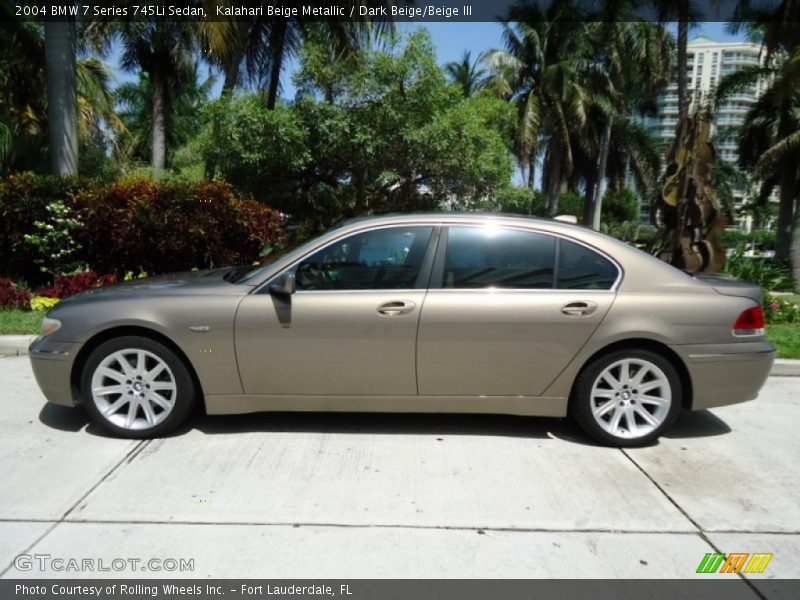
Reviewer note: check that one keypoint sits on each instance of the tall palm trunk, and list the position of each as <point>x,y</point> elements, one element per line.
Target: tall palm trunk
<point>796,249</point>
<point>683,35</point>
<point>600,189</point>
<point>62,98</point>
<point>158,153</point>
<point>532,170</point>
<point>277,41</point>
<point>788,197</point>
<point>553,180</point>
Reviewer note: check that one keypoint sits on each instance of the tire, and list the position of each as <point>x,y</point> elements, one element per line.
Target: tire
<point>603,406</point>
<point>151,397</point>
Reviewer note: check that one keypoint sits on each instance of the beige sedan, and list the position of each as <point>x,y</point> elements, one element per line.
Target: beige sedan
<point>457,313</point>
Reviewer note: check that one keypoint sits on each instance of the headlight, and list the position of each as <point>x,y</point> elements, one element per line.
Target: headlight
<point>50,326</point>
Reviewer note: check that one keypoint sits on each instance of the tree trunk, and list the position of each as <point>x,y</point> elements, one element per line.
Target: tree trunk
<point>231,75</point>
<point>532,171</point>
<point>796,249</point>
<point>683,34</point>
<point>588,197</point>
<point>788,193</point>
<point>62,96</point>
<point>554,182</point>
<point>277,41</point>
<point>605,145</point>
<point>158,152</point>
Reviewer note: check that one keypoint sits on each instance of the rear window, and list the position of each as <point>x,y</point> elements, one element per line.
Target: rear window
<point>580,268</point>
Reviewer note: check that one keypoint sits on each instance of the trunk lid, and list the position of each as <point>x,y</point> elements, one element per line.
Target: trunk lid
<point>730,286</point>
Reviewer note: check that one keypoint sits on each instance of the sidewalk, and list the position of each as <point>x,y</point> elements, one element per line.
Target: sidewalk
<point>17,345</point>
<point>421,496</point>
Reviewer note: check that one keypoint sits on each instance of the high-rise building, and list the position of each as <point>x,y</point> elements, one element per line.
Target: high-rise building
<point>707,62</point>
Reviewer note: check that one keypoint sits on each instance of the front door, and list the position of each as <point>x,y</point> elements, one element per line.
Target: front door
<point>349,329</point>
<point>507,311</point>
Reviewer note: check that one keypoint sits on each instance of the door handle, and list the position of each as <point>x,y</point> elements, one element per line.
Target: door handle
<point>579,309</point>
<point>396,307</point>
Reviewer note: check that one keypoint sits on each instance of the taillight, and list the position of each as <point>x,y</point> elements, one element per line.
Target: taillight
<point>750,322</point>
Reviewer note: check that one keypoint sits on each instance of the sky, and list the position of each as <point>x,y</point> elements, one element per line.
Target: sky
<point>451,41</point>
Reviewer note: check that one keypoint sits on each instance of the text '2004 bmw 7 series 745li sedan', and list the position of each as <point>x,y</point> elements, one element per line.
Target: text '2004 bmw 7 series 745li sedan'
<point>450,313</point>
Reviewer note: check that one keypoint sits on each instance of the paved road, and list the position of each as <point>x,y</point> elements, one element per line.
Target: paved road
<point>305,495</point>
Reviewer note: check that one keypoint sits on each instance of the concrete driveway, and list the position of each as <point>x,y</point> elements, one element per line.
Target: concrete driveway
<point>362,496</point>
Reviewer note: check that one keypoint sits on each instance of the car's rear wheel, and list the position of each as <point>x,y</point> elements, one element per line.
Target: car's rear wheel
<point>627,398</point>
<point>136,387</point>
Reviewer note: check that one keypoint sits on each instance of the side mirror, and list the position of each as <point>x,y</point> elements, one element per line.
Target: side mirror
<point>284,286</point>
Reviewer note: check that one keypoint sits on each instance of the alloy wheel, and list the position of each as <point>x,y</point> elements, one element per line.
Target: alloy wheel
<point>134,389</point>
<point>631,398</point>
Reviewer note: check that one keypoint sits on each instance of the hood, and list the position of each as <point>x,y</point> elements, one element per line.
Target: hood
<point>187,282</point>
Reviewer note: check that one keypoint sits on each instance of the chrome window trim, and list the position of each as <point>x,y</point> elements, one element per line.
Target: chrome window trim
<point>264,287</point>
<point>444,223</point>
<point>614,287</point>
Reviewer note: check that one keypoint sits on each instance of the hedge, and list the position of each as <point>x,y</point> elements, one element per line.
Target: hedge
<point>134,224</point>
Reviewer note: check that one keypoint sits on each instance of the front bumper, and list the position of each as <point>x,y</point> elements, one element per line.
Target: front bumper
<point>52,366</point>
<point>723,374</point>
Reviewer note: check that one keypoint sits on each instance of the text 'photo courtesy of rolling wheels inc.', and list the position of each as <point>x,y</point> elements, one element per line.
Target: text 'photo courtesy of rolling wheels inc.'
<point>373,299</point>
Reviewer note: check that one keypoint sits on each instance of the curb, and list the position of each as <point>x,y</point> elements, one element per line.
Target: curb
<point>17,345</point>
<point>783,367</point>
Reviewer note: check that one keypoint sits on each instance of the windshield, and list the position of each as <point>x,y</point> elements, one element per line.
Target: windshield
<point>248,273</point>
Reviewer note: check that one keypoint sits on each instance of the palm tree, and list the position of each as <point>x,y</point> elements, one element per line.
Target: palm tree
<point>159,49</point>
<point>258,49</point>
<point>769,138</point>
<point>62,96</point>
<point>540,72</point>
<point>24,106</point>
<point>684,12</point>
<point>635,65</point>
<point>467,74</point>
<point>23,121</point>
<point>188,95</point>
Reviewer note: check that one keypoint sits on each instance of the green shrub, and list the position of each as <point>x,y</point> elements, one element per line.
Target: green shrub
<point>24,202</point>
<point>619,207</point>
<point>53,240</point>
<point>512,199</point>
<point>780,309</point>
<point>632,232</point>
<point>770,274</point>
<point>740,240</point>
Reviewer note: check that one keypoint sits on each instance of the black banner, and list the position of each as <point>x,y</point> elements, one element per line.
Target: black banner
<point>417,11</point>
<point>733,588</point>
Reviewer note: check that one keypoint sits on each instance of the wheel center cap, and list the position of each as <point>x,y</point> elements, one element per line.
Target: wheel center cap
<point>138,387</point>
<point>626,396</point>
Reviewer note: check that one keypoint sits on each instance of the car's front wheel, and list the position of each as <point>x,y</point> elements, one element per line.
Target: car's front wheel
<point>136,387</point>
<point>627,398</point>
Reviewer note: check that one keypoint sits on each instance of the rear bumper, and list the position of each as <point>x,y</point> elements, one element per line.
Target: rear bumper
<point>723,374</point>
<point>52,367</point>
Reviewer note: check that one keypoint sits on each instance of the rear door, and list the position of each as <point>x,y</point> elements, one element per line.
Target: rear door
<point>507,310</point>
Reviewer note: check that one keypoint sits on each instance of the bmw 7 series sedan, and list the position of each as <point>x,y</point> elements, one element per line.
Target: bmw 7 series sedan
<point>442,313</point>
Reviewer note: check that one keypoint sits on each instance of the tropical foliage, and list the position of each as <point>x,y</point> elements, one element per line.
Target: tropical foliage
<point>134,224</point>
<point>385,133</point>
<point>548,123</point>
<point>575,85</point>
<point>769,139</point>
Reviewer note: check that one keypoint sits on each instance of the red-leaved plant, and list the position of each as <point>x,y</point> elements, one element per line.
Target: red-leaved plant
<point>13,296</point>
<point>69,285</point>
